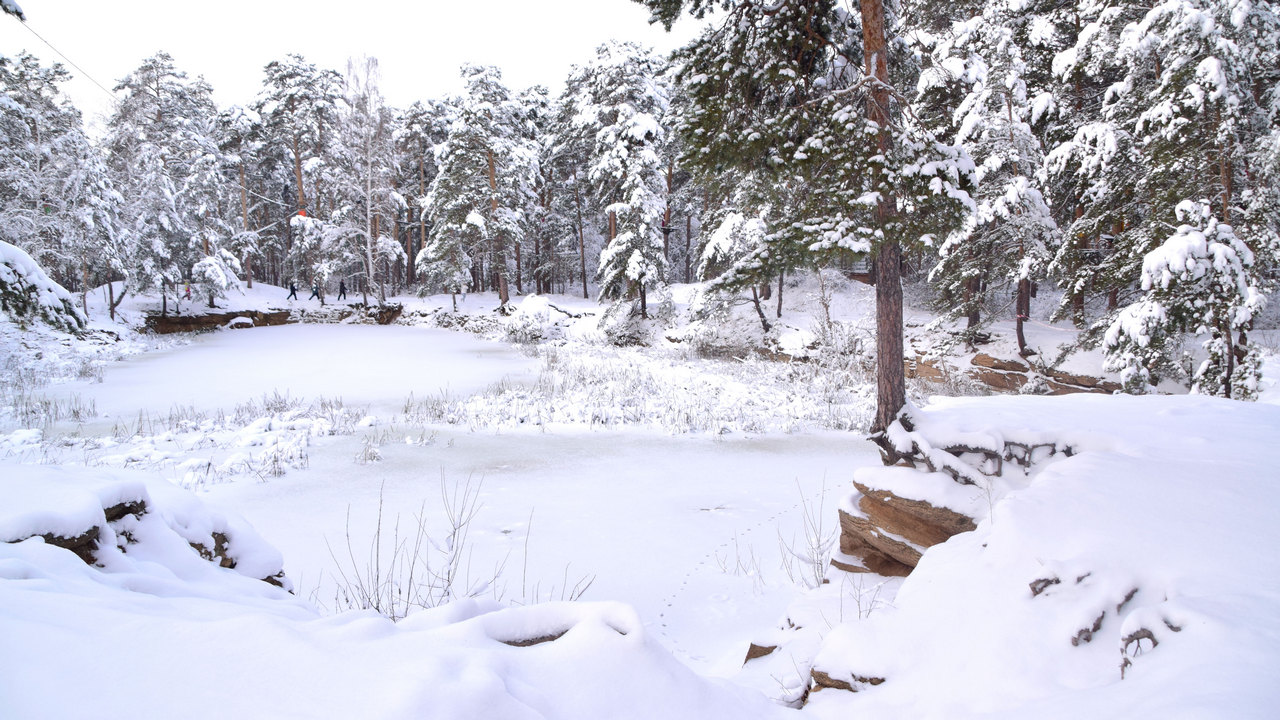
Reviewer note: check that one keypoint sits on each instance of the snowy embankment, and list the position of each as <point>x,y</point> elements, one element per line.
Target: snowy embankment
<point>154,630</point>
<point>1135,578</point>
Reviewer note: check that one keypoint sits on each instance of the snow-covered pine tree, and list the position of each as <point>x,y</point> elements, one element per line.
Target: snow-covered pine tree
<point>421,128</point>
<point>475,203</point>
<point>1085,154</point>
<point>619,105</point>
<point>1200,280</point>
<point>1194,81</point>
<point>548,215</point>
<point>240,135</point>
<point>27,293</point>
<point>205,201</point>
<point>568,157</point>
<point>164,157</point>
<point>298,106</point>
<point>56,201</point>
<point>1005,243</point>
<point>777,88</point>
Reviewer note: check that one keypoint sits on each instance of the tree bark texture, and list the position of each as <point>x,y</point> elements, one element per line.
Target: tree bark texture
<point>891,394</point>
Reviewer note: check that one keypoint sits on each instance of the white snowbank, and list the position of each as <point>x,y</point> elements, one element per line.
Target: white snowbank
<point>161,632</point>
<point>1151,549</point>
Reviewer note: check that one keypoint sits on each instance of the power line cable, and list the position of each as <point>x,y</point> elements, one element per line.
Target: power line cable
<point>71,62</point>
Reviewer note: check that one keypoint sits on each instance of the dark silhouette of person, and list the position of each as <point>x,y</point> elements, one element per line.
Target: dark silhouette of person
<point>342,290</point>
<point>293,291</point>
<point>315,291</point>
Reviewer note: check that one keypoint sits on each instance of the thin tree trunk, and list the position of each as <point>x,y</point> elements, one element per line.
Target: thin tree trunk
<point>782,274</point>
<point>1231,364</point>
<point>84,285</point>
<point>755,302</point>
<point>297,176</point>
<point>1023,304</point>
<point>688,233</point>
<point>244,213</point>
<point>666,212</point>
<point>113,301</point>
<point>422,216</point>
<point>582,241</point>
<point>519,270</point>
<point>499,257</point>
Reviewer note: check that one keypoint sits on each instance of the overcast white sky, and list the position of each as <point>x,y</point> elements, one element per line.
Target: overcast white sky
<point>419,44</point>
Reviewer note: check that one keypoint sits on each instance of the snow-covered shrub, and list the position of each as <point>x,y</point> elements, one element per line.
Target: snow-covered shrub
<point>622,325</point>
<point>216,274</point>
<point>27,293</point>
<point>532,321</point>
<point>714,331</point>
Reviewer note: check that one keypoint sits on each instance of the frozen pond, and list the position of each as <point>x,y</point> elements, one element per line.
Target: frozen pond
<point>360,364</point>
<point>695,531</point>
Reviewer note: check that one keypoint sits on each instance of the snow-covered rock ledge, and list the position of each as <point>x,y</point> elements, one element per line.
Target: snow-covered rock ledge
<point>102,516</point>
<point>1113,582</point>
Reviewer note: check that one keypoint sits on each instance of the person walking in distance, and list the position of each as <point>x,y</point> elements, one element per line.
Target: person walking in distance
<point>342,290</point>
<point>293,291</point>
<point>315,290</point>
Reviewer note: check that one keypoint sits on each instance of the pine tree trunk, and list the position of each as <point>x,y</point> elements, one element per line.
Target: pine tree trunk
<point>613,232</point>
<point>782,274</point>
<point>972,302</point>
<point>84,285</point>
<point>582,241</point>
<point>422,218</point>
<point>1224,174</point>
<point>666,213</point>
<point>688,232</point>
<point>297,175</point>
<point>499,256</point>
<point>1023,305</point>
<point>891,393</point>
<point>891,384</point>
<point>755,302</point>
<point>519,271</point>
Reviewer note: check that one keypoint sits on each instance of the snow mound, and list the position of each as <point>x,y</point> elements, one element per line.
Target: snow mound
<point>1132,579</point>
<point>155,630</point>
<point>117,522</point>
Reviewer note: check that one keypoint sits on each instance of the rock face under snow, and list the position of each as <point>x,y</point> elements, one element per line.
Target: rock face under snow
<point>1008,376</point>
<point>351,312</point>
<point>889,532</point>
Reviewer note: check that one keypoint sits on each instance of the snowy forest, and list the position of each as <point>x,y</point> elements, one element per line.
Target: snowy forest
<point>1124,155</point>
<point>860,359</point>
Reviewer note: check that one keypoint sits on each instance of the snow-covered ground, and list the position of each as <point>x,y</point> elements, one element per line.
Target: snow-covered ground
<point>665,494</point>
